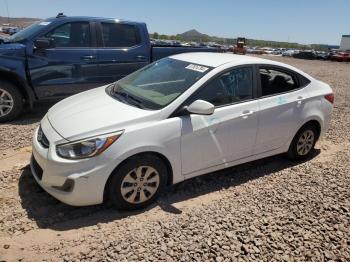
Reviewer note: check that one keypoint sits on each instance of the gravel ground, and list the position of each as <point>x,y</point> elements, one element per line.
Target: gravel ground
<point>268,210</point>
<point>18,133</point>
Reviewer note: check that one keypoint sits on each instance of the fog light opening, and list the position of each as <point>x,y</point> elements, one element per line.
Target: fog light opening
<point>66,187</point>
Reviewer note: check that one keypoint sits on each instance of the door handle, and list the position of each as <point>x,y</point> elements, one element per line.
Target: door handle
<point>299,100</point>
<point>140,57</point>
<point>88,57</point>
<point>246,113</point>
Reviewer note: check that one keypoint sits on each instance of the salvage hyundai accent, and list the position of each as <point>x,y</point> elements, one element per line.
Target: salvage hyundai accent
<point>177,118</point>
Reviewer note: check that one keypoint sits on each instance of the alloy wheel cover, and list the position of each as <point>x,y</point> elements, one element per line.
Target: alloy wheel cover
<point>140,184</point>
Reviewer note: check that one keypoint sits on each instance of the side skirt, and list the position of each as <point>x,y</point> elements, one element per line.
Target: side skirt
<point>235,163</point>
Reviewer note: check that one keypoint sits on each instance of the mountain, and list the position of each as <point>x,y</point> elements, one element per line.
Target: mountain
<point>194,35</point>
<point>18,21</point>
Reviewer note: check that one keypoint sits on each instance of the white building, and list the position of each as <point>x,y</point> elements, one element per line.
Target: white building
<point>345,43</point>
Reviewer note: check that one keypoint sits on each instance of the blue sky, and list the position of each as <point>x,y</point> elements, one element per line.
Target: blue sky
<point>308,21</point>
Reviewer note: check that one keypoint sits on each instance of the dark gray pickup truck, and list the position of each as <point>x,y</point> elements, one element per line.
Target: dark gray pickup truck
<point>61,56</point>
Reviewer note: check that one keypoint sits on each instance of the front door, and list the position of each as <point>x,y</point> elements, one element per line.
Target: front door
<point>69,66</point>
<point>229,133</point>
<point>122,50</point>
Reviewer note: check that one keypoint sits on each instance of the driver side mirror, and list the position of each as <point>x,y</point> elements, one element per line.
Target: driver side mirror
<point>201,107</point>
<point>42,43</point>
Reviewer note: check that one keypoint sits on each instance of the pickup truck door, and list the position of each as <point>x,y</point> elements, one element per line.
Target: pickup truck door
<point>69,66</point>
<point>123,48</point>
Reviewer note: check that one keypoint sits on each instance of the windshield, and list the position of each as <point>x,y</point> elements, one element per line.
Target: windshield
<point>158,84</point>
<point>27,32</point>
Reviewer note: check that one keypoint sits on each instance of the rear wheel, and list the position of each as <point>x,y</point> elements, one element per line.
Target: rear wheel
<point>303,143</point>
<point>11,101</point>
<point>138,182</point>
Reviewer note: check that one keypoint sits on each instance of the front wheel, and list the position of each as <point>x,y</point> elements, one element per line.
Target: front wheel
<point>138,182</point>
<point>303,143</point>
<point>11,102</point>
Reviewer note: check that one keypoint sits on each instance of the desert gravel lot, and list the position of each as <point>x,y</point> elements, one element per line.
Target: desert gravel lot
<point>268,210</point>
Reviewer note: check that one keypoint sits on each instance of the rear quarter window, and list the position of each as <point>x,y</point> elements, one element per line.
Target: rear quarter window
<point>303,81</point>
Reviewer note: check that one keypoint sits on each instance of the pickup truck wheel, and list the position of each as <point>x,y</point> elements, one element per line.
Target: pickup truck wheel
<point>11,101</point>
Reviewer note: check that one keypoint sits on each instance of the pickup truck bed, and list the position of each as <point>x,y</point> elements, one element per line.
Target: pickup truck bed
<point>159,52</point>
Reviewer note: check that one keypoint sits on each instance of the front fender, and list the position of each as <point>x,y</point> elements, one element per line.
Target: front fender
<point>161,137</point>
<point>14,71</point>
<point>175,163</point>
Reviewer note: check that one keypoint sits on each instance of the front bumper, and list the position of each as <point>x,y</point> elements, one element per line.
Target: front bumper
<point>86,177</point>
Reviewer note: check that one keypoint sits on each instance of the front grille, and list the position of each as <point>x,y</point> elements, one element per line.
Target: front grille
<point>42,139</point>
<point>37,169</point>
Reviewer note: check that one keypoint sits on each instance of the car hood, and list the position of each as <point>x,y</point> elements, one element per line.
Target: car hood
<point>92,113</point>
<point>15,49</point>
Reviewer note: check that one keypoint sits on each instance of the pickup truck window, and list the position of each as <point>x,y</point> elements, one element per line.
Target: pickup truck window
<point>75,34</point>
<point>27,32</point>
<point>158,84</point>
<point>120,35</point>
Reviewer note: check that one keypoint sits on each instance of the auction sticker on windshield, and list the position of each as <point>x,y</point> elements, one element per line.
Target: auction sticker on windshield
<point>198,68</point>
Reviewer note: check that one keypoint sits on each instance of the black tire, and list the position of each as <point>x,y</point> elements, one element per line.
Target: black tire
<point>17,98</point>
<point>293,153</point>
<point>115,184</point>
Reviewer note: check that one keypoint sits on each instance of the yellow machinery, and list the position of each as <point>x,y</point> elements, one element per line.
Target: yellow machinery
<point>240,46</point>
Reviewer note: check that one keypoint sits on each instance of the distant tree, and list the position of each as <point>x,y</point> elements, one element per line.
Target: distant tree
<point>319,47</point>
<point>155,35</point>
<point>164,37</point>
<point>178,37</point>
<point>232,41</point>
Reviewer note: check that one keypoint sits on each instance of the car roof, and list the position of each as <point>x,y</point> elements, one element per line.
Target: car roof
<point>217,59</point>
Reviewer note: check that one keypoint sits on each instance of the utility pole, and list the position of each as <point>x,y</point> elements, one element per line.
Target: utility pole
<point>8,13</point>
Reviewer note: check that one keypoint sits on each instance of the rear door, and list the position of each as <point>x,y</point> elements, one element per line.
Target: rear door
<point>123,48</point>
<point>69,66</point>
<point>281,104</point>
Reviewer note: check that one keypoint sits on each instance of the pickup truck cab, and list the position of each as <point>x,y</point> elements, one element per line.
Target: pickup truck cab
<point>61,56</point>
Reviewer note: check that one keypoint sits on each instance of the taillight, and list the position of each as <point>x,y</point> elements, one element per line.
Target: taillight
<point>330,98</point>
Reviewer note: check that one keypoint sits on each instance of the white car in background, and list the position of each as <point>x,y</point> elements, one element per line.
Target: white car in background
<point>290,52</point>
<point>177,118</point>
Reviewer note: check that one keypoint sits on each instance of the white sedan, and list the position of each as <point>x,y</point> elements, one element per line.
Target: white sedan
<point>177,118</point>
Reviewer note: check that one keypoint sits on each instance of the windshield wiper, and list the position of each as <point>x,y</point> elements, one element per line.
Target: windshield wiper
<point>129,98</point>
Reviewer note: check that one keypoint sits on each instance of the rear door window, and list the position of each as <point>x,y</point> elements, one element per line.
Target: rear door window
<point>275,81</point>
<point>120,35</point>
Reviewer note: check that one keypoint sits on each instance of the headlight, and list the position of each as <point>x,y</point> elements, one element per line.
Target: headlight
<point>86,148</point>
